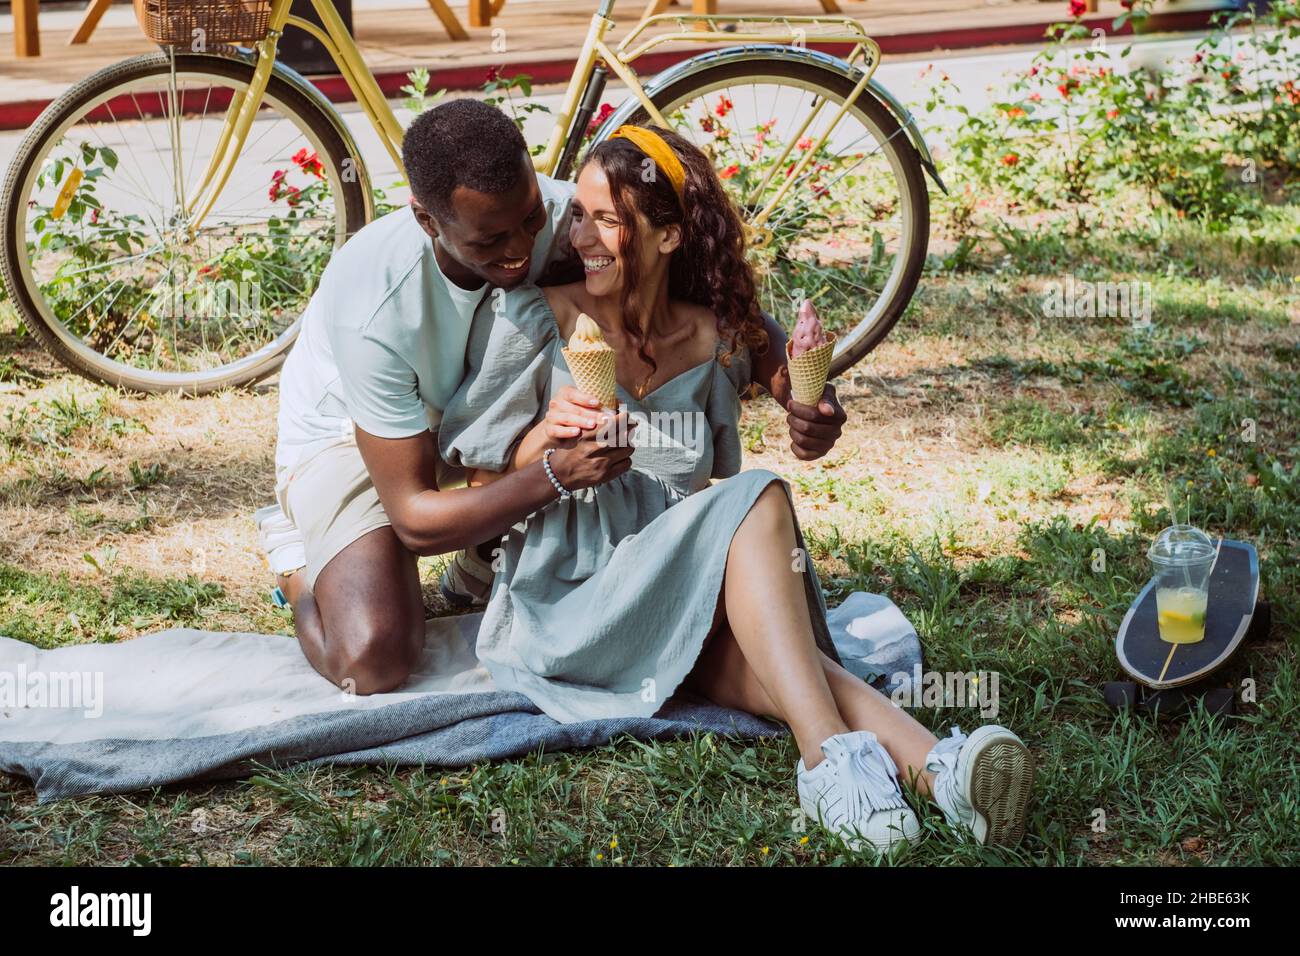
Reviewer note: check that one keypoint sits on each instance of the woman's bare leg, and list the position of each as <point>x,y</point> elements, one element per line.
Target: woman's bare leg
<point>865,708</point>
<point>762,655</point>
<point>767,613</point>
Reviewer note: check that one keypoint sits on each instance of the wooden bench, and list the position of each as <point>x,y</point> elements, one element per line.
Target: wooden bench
<point>27,36</point>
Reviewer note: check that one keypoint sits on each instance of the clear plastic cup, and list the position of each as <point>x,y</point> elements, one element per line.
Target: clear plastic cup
<point>1183,557</point>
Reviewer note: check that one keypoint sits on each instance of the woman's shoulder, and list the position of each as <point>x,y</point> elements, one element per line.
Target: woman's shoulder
<point>732,358</point>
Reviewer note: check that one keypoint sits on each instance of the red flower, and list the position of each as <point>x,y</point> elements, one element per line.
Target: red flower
<point>279,188</point>
<point>706,124</point>
<point>94,215</point>
<point>1035,97</point>
<point>1033,71</point>
<point>1010,159</point>
<point>1078,8</point>
<point>1111,114</point>
<point>1126,4</point>
<point>309,164</point>
<point>1015,113</point>
<point>599,117</point>
<point>493,74</point>
<point>805,144</point>
<point>729,171</point>
<point>724,106</point>
<point>277,184</point>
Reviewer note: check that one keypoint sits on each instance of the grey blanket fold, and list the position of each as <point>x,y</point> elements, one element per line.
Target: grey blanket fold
<point>186,705</point>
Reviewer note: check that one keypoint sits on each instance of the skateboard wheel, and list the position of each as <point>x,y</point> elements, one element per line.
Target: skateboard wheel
<point>1120,694</point>
<point>1260,622</point>
<point>1220,701</point>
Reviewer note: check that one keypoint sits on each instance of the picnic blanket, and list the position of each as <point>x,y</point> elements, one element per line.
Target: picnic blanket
<point>189,705</point>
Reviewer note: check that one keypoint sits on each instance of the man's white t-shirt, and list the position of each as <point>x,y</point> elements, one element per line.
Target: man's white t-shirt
<point>383,338</point>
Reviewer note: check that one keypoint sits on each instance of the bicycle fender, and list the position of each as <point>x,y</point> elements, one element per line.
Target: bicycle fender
<point>320,100</point>
<point>801,54</point>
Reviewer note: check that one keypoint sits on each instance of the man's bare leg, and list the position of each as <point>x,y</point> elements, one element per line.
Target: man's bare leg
<point>364,622</point>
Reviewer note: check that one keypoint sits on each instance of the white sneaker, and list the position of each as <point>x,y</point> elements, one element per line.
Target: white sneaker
<point>467,581</point>
<point>854,792</point>
<point>280,540</point>
<point>983,783</point>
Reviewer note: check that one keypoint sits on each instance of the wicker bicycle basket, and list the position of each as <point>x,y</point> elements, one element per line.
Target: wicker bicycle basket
<point>174,22</point>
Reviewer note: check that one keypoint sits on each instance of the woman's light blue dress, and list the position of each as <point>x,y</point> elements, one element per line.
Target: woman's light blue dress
<point>602,602</point>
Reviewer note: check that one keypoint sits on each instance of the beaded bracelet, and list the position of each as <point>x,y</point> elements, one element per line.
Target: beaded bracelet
<point>546,466</point>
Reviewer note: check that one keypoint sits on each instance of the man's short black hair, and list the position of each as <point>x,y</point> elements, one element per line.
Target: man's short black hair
<point>463,142</point>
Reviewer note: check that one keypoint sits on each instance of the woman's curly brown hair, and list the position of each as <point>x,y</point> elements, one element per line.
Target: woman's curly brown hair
<point>708,268</point>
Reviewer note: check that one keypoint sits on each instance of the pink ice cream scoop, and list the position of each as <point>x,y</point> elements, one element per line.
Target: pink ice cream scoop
<point>808,331</point>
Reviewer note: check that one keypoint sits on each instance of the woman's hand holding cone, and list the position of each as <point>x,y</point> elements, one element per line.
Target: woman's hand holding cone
<point>571,410</point>
<point>814,413</point>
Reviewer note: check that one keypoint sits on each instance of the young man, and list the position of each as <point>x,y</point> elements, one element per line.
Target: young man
<point>381,352</point>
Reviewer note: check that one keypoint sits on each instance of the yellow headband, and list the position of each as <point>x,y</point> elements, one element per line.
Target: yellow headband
<point>653,145</point>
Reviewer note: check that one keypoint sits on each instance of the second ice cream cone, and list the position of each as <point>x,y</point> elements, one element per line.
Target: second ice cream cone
<point>809,371</point>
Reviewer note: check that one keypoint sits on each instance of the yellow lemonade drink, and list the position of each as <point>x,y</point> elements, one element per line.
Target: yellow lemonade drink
<point>1181,613</point>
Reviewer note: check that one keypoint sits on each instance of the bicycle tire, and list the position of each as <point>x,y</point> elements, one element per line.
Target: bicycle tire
<point>860,341</point>
<point>52,337</point>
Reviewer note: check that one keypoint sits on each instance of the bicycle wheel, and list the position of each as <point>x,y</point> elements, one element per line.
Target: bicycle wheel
<point>105,258</point>
<point>851,232</point>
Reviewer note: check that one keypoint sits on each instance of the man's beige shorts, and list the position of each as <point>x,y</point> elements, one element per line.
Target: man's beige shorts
<point>332,502</point>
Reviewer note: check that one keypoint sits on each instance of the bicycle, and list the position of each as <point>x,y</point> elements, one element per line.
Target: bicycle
<point>136,230</point>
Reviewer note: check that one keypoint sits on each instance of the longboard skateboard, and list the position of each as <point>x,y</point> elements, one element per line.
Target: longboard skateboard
<point>1173,677</point>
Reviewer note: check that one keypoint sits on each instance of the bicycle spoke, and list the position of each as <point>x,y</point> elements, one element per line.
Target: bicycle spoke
<point>198,136</point>
<point>111,262</point>
<point>144,179</point>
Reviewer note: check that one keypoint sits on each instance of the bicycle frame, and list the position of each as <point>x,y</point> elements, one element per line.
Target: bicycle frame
<point>333,35</point>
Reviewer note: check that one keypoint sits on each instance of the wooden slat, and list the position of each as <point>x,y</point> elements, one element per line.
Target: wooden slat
<point>27,36</point>
<point>480,13</point>
<point>449,22</point>
<point>91,20</point>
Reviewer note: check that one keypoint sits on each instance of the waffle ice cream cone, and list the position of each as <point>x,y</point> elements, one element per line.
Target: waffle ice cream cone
<point>591,362</point>
<point>808,356</point>
<point>809,371</point>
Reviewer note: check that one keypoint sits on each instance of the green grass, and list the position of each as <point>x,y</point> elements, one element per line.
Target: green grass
<point>50,611</point>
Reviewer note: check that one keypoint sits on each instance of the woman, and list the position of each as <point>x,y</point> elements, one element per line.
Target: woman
<point>611,598</point>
